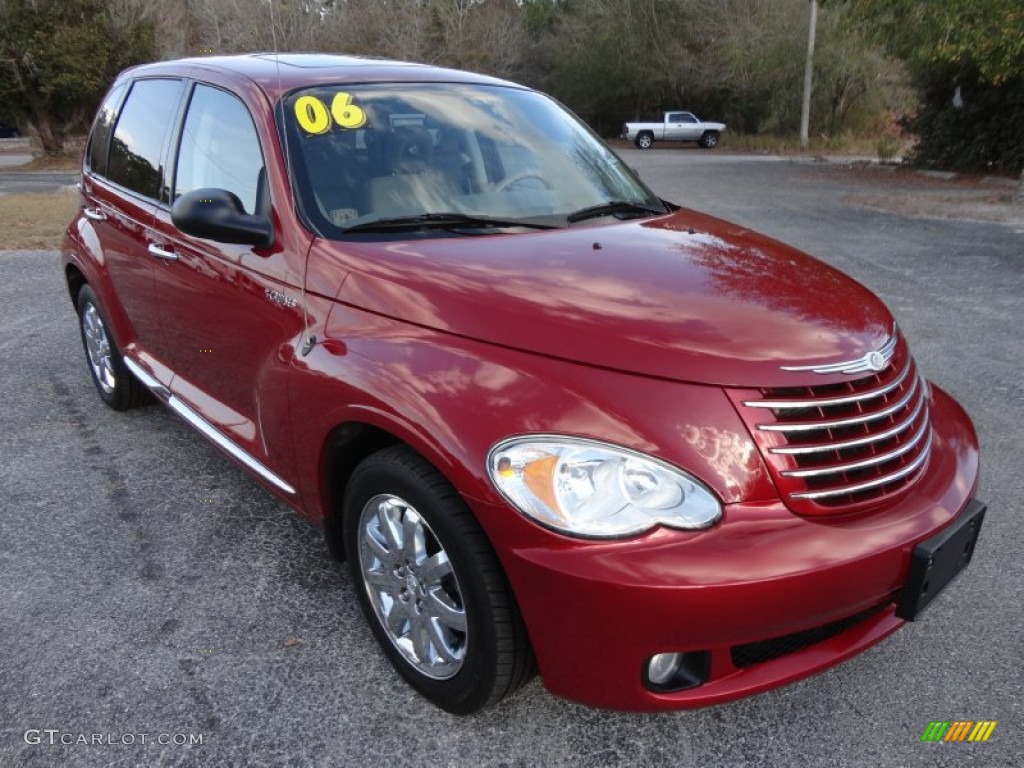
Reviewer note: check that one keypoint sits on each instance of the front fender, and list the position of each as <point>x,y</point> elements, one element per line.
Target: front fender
<point>452,398</point>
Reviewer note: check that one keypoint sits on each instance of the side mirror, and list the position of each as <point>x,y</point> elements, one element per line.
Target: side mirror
<point>216,214</point>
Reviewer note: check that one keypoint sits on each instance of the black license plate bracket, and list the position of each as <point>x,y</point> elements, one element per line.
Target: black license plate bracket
<point>935,562</point>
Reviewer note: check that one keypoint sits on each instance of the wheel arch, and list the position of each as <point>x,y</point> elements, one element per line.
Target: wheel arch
<point>75,279</point>
<point>83,265</point>
<point>344,448</point>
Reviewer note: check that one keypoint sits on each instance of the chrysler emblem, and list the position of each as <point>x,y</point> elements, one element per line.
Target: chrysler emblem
<point>873,361</point>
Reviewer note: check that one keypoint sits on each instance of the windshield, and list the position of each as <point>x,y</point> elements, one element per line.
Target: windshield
<point>405,152</point>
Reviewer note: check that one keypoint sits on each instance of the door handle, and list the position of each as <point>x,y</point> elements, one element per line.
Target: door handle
<point>162,253</point>
<point>94,214</point>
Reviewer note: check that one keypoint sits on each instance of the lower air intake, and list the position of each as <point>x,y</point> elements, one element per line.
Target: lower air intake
<point>765,650</point>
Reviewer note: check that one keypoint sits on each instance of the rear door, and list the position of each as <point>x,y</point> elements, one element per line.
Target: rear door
<point>230,313</point>
<point>120,187</point>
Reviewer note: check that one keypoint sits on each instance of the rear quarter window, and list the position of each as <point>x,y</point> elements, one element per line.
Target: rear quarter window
<point>137,145</point>
<point>99,140</point>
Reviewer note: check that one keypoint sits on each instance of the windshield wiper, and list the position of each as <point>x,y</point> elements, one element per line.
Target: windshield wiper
<point>611,208</point>
<point>442,221</point>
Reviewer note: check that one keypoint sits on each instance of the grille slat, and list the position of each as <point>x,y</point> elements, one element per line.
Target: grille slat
<point>821,403</point>
<point>884,480</point>
<point>846,422</point>
<point>833,469</point>
<point>843,445</point>
<point>867,440</point>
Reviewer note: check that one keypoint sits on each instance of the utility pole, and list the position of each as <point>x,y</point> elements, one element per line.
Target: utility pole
<point>805,112</point>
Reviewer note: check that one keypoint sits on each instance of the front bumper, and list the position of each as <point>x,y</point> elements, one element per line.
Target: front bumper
<point>596,611</point>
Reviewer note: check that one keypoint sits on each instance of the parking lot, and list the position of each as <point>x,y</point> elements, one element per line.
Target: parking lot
<point>148,586</point>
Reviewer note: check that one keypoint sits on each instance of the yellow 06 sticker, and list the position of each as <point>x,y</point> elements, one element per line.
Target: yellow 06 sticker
<point>315,119</point>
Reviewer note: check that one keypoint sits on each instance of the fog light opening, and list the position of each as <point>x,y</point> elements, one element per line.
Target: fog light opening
<point>667,672</point>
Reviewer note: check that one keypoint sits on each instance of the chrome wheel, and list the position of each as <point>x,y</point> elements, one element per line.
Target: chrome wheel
<point>430,584</point>
<point>97,346</point>
<point>644,142</point>
<point>412,587</point>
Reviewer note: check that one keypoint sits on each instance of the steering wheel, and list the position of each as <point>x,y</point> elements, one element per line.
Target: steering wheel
<point>511,181</point>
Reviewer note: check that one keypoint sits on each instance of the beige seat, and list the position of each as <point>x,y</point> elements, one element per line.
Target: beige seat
<point>413,184</point>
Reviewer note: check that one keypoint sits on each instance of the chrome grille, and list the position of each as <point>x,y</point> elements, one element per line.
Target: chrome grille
<point>838,446</point>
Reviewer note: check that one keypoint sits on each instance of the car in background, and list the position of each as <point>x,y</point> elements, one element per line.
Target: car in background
<point>674,126</point>
<point>551,420</point>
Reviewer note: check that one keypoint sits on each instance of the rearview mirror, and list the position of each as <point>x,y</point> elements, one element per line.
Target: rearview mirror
<point>216,214</point>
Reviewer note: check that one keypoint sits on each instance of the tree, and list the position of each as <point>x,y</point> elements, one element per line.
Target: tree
<point>613,60</point>
<point>222,27</point>
<point>734,60</point>
<point>57,57</point>
<point>982,33</point>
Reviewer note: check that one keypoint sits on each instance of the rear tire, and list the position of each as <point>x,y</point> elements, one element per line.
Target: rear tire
<point>644,140</point>
<point>430,585</point>
<point>115,383</point>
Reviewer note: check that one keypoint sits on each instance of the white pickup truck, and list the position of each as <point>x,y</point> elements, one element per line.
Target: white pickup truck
<point>677,126</point>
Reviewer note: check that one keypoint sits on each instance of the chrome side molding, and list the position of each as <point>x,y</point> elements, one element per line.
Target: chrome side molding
<point>143,375</point>
<point>206,429</point>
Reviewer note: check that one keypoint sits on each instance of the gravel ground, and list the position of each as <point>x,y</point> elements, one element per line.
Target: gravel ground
<point>150,587</point>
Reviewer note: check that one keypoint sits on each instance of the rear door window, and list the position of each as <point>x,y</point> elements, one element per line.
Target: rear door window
<point>138,142</point>
<point>219,147</point>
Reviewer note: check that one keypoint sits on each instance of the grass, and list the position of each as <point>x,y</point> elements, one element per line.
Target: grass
<point>34,221</point>
<point>866,145</point>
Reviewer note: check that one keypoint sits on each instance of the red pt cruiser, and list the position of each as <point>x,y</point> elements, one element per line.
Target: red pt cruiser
<point>549,419</point>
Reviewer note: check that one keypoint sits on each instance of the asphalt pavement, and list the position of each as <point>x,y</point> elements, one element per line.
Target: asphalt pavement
<point>150,587</point>
<point>17,182</point>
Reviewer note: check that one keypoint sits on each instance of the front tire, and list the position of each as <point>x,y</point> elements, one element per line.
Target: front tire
<point>709,140</point>
<point>644,140</point>
<point>115,383</point>
<point>431,586</point>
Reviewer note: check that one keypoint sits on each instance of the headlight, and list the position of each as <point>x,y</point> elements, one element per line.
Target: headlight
<point>593,489</point>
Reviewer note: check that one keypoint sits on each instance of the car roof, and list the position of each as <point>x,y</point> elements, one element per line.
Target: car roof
<point>278,73</point>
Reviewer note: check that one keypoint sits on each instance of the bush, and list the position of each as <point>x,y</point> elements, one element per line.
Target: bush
<point>983,133</point>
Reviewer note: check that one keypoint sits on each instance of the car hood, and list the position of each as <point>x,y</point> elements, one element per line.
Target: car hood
<point>682,296</point>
